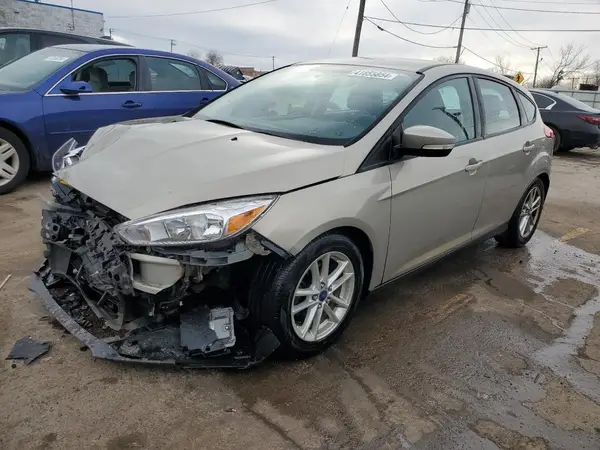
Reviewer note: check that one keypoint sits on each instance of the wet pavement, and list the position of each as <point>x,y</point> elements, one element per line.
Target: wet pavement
<point>488,349</point>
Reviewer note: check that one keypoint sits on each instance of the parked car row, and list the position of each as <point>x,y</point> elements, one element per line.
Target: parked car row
<point>574,123</point>
<point>69,91</point>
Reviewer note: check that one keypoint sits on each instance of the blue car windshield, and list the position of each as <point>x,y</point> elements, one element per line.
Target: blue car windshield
<point>322,103</point>
<point>26,72</point>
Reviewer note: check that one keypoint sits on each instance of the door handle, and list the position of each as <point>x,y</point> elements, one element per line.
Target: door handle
<point>131,104</point>
<point>528,147</point>
<point>473,166</point>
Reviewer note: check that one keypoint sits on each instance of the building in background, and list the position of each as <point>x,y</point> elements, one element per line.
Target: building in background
<point>46,16</point>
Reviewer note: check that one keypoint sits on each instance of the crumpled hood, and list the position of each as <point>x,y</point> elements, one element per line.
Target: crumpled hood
<point>143,169</point>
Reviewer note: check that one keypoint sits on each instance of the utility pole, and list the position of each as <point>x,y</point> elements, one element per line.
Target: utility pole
<point>359,22</point>
<point>273,58</point>
<point>462,30</point>
<point>173,43</point>
<point>537,61</point>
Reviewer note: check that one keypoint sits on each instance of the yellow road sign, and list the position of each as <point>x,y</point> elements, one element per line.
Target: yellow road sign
<point>519,78</point>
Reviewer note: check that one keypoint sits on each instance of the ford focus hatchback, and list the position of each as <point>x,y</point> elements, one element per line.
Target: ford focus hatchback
<point>259,223</point>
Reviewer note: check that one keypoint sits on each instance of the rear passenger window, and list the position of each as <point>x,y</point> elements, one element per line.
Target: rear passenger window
<point>173,75</point>
<point>216,83</point>
<point>528,107</point>
<point>499,106</point>
<point>447,106</point>
<point>542,101</point>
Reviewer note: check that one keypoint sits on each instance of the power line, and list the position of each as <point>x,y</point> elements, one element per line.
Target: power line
<point>509,25</point>
<point>508,38</point>
<point>494,64</point>
<point>533,30</point>
<point>404,39</point>
<point>175,41</point>
<point>192,12</point>
<point>339,27</point>
<point>482,32</point>
<point>417,31</point>
<point>528,9</point>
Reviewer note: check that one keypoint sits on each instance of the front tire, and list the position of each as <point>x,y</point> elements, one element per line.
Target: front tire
<point>308,300</point>
<point>14,161</point>
<point>525,218</point>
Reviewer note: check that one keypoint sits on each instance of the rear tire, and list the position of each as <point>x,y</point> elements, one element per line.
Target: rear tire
<point>516,235</point>
<point>557,145</point>
<point>274,292</point>
<point>14,161</point>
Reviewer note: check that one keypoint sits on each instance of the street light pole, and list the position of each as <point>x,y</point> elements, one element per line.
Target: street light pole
<point>359,22</point>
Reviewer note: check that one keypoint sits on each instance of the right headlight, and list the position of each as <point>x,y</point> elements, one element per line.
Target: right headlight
<point>67,155</point>
<point>196,225</point>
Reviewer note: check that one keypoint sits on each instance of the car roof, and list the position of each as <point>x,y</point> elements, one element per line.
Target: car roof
<point>407,64</point>
<point>60,33</point>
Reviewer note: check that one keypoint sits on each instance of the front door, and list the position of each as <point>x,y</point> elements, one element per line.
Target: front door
<point>436,201</point>
<point>114,98</point>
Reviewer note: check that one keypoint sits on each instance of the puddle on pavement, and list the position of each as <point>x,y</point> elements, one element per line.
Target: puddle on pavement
<point>425,362</point>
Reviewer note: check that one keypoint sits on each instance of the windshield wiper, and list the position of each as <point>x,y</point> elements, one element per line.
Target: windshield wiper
<point>225,122</point>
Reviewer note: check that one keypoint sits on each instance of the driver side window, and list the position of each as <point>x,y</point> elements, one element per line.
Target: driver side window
<point>447,106</point>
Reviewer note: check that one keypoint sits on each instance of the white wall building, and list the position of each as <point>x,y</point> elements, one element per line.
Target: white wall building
<point>46,16</point>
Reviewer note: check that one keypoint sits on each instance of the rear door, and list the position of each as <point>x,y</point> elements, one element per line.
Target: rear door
<point>436,201</point>
<point>175,86</point>
<point>512,138</point>
<point>115,98</point>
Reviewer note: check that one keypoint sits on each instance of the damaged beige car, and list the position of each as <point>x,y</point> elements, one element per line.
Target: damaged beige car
<point>259,221</point>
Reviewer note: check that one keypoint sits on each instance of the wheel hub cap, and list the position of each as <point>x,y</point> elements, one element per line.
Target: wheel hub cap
<point>530,212</point>
<point>323,297</point>
<point>9,162</point>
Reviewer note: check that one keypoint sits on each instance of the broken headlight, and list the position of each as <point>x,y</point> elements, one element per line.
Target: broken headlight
<point>67,155</point>
<point>196,225</point>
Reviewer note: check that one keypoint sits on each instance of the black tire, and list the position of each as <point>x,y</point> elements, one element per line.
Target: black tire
<point>557,140</point>
<point>512,238</point>
<point>271,293</point>
<point>24,160</point>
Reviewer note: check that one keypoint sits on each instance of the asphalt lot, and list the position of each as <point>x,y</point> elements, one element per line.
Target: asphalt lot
<point>488,349</point>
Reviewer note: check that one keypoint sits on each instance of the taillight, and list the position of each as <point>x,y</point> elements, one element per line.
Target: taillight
<point>548,132</point>
<point>590,119</point>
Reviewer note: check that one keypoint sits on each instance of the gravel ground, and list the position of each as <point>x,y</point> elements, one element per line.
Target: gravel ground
<point>488,349</point>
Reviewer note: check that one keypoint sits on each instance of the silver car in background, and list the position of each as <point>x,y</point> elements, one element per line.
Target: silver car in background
<point>261,221</point>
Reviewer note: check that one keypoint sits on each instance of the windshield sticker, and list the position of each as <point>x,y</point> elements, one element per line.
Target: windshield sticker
<point>373,74</point>
<point>57,59</point>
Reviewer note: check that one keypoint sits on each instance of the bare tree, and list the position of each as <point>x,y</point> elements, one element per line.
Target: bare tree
<point>446,59</point>
<point>593,75</point>
<point>214,57</point>
<point>194,54</point>
<point>502,66</point>
<point>571,60</point>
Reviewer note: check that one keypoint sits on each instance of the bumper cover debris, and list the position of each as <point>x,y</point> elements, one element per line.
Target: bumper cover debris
<point>205,338</point>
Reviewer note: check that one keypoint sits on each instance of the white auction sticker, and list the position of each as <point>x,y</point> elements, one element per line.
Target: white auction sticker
<point>57,59</point>
<point>373,74</point>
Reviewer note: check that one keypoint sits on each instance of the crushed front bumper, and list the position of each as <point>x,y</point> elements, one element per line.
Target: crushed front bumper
<point>160,346</point>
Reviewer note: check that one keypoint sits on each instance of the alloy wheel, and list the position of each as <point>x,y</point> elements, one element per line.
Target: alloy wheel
<point>9,162</point>
<point>323,297</point>
<point>530,212</point>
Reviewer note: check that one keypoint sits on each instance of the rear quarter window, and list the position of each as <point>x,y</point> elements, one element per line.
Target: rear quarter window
<point>528,108</point>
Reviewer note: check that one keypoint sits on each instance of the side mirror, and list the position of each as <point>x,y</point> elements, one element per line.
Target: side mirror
<point>75,87</point>
<point>423,140</point>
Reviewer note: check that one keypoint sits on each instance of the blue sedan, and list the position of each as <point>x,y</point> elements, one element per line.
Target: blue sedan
<point>70,91</point>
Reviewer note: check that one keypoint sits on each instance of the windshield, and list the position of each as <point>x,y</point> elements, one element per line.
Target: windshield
<point>29,70</point>
<point>328,104</point>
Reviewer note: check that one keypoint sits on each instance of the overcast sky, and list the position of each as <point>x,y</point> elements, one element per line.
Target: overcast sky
<point>295,30</point>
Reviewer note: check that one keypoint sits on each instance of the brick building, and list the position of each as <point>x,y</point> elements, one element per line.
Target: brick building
<point>46,16</point>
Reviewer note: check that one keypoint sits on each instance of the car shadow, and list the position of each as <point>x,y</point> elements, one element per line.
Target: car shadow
<point>581,154</point>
